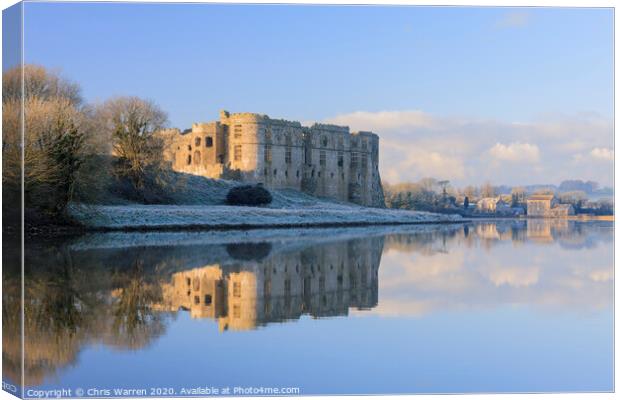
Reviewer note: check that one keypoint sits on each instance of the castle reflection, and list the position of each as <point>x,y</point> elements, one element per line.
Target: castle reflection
<point>321,281</point>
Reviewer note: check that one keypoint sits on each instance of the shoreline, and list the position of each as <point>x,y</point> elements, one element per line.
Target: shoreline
<point>248,227</point>
<point>193,218</point>
<point>175,218</point>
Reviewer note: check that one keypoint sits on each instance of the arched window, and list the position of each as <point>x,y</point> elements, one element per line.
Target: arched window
<point>196,157</point>
<point>197,142</point>
<point>189,159</point>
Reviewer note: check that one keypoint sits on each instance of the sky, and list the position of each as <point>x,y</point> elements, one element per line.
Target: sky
<point>474,95</point>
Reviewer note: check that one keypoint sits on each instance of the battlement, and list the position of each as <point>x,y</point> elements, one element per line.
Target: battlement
<point>366,133</point>
<point>330,127</point>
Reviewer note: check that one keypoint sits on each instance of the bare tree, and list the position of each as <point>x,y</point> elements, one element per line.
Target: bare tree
<point>39,83</point>
<point>57,140</point>
<point>518,195</point>
<point>132,124</point>
<point>471,192</point>
<point>487,190</point>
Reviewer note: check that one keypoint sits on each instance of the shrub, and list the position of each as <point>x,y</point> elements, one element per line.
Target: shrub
<point>248,195</point>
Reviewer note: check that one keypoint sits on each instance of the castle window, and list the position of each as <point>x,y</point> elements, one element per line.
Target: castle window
<point>188,281</point>
<point>197,141</point>
<point>196,300</point>
<point>332,175</point>
<point>322,158</point>
<point>238,130</point>
<point>208,299</point>
<point>268,134</point>
<point>354,142</point>
<point>286,173</point>
<point>236,311</point>
<point>340,142</point>
<point>189,147</point>
<point>354,159</point>
<point>267,287</point>
<point>209,141</point>
<point>319,174</point>
<point>237,152</point>
<point>196,284</point>
<point>313,173</point>
<point>324,141</point>
<point>237,289</point>
<point>340,158</point>
<point>189,159</point>
<point>298,173</point>
<point>287,287</point>
<point>287,155</point>
<point>364,161</point>
<point>197,157</point>
<point>268,156</point>
<point>364,144</point>
<point>275,172</point>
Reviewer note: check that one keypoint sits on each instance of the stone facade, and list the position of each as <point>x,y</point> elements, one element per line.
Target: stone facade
<point>323,160</point>
<point>546,206</point>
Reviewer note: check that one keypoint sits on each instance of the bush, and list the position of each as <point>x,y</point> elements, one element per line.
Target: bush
<point>248,195</point>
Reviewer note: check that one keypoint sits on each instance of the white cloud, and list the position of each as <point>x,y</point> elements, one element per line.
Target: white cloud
<point>516,152</point>
<point>602,153</point>
<point>384,120</point>
<point>415,144</point>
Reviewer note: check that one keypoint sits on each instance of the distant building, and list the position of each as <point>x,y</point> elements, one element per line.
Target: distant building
<point>492,205</point>
<point>562,210</point>
<point>539,205</point>
<point>546,206</point>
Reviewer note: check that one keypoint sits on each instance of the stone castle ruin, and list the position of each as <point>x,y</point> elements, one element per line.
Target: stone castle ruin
<point>322,160</point>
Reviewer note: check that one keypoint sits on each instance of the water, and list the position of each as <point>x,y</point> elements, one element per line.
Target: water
<point>511,306</point>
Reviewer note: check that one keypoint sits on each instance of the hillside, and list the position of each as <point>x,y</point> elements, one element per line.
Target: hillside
<point>199,203</point>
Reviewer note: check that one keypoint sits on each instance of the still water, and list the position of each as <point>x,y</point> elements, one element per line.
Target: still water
<point>507,306</point>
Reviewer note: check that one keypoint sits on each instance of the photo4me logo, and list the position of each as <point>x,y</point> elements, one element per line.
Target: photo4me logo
<point>9,387</point>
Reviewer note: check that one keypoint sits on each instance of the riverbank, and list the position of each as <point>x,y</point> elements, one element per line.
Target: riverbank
<point>186,217</point>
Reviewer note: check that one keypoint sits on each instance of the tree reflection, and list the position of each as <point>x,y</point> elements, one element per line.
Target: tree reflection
<point>135,324</point>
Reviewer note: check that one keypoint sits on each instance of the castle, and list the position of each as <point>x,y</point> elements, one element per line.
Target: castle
<point>323,160</point>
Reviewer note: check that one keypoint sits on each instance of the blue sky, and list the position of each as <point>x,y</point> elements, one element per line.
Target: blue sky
<point>469,66</point>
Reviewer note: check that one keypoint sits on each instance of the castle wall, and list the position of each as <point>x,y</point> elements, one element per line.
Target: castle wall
<point>323,160</point>
<point>327,161</point>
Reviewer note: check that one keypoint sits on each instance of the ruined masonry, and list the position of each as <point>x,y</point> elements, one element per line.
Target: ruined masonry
<point>322,160</point>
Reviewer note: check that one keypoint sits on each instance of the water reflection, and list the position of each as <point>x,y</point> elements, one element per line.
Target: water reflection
<point>124,291</point>
<point>257,288</point>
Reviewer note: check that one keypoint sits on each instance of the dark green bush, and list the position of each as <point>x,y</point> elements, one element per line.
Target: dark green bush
<point>248,195</point>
